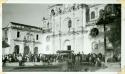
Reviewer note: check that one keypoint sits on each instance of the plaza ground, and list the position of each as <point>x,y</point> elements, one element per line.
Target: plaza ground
<point>111,67</point>
<point>63,67</point>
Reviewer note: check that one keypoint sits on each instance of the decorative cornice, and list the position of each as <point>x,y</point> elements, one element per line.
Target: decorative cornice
<point>24,25</point>
<point>63,10</point>
<point>26,41</point>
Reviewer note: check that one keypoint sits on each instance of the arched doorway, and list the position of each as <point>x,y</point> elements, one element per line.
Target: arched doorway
<point>67,45</point>
<point>26,50</point>
<point>16,49</point>
<point>36,50</point>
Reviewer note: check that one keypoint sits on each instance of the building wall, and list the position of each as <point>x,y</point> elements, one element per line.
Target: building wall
<point>81,42</point>
<point>96,9</point>
<point>13,40</point>
<point>78,36</point>
<point>60,22</point>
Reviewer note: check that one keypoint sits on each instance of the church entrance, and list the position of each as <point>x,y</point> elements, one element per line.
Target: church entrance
<point>26,50</point>
<point>69,47</point>
<point>16,49</point>
<point>36,50</point>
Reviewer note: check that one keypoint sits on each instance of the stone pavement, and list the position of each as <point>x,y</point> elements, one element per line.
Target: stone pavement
<point>16,64</point>
<point>40,66</point>
<point>111,67</point>
<point>57,67</point>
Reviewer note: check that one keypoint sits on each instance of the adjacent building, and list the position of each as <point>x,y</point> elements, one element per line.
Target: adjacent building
<point>22,38</point>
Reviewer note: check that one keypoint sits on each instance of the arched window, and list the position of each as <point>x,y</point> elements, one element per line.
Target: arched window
<point>18,34</point>
<point>37,37</point>
<point>16,49</point>
<point>36,50</point>
<point>69,23</point>
<point>92,15</point>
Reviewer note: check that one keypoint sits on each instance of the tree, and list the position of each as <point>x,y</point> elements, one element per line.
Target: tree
<point>5,44</point>
<point>111,17</point>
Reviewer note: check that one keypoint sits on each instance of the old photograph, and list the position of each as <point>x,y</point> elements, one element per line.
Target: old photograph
<point>61,37</point>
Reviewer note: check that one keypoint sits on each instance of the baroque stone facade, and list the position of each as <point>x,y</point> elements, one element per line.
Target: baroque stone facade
<point>72,27</point>
<point>69,27</point>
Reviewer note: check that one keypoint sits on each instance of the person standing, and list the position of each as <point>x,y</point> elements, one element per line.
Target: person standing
<point>20,60</point>
<point>4,61</point>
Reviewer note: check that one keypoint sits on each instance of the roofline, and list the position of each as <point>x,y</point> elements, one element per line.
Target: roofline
<point>14,23</point>
<point>54,5</point>
<point>5,28</point>
<point>95,5</point>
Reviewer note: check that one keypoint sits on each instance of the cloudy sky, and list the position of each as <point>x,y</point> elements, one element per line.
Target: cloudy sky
<point>30,14</point>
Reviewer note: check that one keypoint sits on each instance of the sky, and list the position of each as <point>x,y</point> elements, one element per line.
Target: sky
<point>30,14</point>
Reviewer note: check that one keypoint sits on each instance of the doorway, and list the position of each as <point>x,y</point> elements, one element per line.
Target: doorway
<point>16,49</point>
<point>36,50</point>
<point>26,50</point>
<point>69,47</point>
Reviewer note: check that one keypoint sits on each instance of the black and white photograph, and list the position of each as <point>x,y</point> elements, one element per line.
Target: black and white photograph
<point>75,37</point>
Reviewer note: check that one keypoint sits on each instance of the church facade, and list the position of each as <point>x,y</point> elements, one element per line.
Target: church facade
<point>69,27</point>
<point>73,27</point>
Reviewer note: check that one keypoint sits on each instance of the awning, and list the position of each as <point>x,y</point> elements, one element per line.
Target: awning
<point>65,51</point>
<point>5,44</point>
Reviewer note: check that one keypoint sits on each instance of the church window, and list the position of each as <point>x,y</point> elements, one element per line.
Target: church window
<point>92,15</point>
<point>37,37</point>
<point>18,34</point>
<point>69,23</point>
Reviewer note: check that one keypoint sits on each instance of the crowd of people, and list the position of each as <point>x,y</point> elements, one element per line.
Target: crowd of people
<point>71,58</point>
